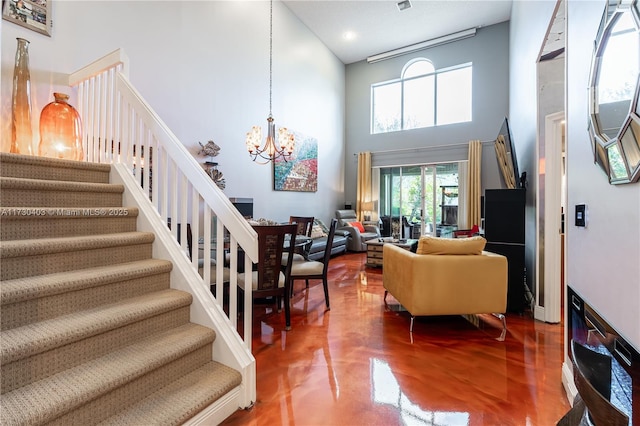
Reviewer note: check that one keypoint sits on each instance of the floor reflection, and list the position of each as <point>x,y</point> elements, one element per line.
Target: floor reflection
<point>357,364</point>
<point>363,278</point>
<point>489,324</point>
<point>386,390</point>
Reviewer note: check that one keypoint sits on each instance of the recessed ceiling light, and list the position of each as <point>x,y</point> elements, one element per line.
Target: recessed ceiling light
<point>349,35</point>
<point>404,5</point>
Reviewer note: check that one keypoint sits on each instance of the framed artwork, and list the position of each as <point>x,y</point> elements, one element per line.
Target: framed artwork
<point>32,14</point>
<point>300,172</point>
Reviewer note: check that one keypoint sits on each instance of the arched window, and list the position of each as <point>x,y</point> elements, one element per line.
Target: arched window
<point>418,67</point>
<point>422,97</point>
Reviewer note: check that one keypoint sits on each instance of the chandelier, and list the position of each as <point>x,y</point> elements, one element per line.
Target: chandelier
<point>272,148</point>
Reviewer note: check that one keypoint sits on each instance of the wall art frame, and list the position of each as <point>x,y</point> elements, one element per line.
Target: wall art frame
<point>300,172</point>
<point>32,14</point>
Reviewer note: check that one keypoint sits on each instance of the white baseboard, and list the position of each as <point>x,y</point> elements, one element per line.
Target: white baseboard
<point>568,383</point>
<point>538,313</point>
<point>217,412</point>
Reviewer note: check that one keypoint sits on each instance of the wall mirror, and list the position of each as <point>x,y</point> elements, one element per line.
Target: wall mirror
<point>614,87</point>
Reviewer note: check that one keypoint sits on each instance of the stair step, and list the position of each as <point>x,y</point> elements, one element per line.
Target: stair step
<point>51,255</point>
<point>104,384</point>
<point>30,166</point>
<point>59,358</point>
<point>51,222</point>
<point>45,335</point>
<point>182,399</point>
<point>111,403</point>
<point>31,299</point>
<point>39,350</point>
<point>23,192</point>
<point>90,329</point>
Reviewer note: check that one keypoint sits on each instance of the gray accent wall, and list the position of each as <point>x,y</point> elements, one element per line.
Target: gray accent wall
<point>488,50</point>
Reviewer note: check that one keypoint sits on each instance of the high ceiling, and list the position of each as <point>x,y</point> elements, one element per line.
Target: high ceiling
<point>377,26</point>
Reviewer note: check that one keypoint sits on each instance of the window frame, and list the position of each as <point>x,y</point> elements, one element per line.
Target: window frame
<point>402,81</point>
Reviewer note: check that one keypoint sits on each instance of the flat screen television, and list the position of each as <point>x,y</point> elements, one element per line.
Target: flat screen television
<point>507,159</point>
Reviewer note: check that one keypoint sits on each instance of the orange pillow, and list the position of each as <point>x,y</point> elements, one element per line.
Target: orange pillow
<point>357,225</point>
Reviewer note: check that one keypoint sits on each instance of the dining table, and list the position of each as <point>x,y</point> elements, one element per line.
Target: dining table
<point>302,245</point>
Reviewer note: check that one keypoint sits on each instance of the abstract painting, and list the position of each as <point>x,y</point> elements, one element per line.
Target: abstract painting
<point>300,171</point>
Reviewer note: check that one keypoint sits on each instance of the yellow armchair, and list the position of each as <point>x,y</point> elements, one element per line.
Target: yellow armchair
<point>446,284</point>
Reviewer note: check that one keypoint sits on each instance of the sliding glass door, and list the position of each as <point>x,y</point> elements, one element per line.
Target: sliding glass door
<point>418,200</point>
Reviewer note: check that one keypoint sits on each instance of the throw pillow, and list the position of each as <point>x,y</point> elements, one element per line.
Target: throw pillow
<point>317,231</point>
<point>261,222</point>
<point>358,225</point>
<point>321,225</point>
<point>436,245</point>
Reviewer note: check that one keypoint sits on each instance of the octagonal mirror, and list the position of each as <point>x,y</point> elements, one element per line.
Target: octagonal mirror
<point>614,86</point>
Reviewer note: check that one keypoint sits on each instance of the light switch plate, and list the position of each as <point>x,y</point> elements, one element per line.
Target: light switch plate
<point>581,215</point>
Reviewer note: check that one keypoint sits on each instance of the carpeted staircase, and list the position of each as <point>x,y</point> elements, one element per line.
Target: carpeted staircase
<point>91,332</point>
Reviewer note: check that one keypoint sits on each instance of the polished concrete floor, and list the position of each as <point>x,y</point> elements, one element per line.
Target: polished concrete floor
<point>357,364</point>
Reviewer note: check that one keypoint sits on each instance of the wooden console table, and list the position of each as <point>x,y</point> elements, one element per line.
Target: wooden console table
<point>374,249</point>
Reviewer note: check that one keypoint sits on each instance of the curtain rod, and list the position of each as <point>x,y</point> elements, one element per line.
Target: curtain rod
<point>426,147</point>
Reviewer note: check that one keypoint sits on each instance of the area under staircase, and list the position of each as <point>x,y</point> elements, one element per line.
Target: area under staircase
<point>92,331</point>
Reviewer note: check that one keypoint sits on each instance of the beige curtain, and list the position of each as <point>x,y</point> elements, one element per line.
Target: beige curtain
<point>504,160</point>
<point>363,193</point>
<point>474,187</point>
<point>463,197</point>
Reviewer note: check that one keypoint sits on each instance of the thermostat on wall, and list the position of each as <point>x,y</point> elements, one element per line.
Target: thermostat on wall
<point>581,215</point>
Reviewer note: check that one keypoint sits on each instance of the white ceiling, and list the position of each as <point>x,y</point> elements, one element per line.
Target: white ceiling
<point>378,26</point>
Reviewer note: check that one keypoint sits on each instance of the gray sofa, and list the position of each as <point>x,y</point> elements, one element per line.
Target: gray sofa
<point>357,238</point>
<point>319,244</point>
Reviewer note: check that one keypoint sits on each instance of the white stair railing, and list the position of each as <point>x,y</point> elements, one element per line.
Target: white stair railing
<point>119,126</point>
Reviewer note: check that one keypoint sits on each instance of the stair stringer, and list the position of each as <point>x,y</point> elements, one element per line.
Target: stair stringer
<point>228,347</point>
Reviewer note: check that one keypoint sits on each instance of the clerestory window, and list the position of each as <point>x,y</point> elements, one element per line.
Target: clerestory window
<point>422,97</point>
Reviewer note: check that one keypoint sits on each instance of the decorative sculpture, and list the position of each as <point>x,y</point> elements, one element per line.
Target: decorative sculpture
<point>211,150</point>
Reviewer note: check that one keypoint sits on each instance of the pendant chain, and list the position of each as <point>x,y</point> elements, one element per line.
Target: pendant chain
<point>270,57</point>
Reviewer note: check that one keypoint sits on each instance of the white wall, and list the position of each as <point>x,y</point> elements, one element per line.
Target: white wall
<point>204,67</point>
<point>603,259</point>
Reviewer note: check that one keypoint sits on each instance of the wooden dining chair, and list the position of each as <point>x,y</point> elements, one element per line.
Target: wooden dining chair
<point>313,269</point>
<point>305,224</point>
<point>270,278</point>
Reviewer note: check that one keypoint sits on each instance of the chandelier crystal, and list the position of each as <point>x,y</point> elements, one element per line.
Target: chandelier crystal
<point>285,143</point>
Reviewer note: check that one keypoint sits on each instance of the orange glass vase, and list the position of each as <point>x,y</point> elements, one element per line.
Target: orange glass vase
<point>60,130</point>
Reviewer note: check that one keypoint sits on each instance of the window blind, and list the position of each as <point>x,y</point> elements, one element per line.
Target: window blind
<point>422,155</point>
